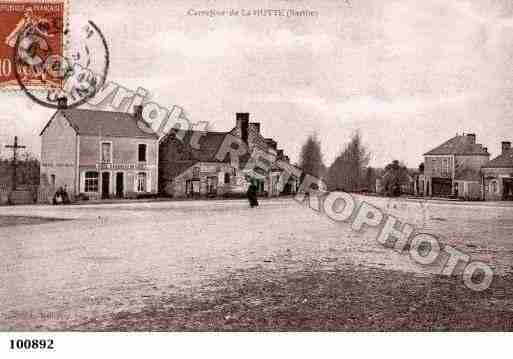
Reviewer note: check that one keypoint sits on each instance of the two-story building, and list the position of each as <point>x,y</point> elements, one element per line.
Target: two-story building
<point>98,154</point>
<point>188,165</point>
<point>454,168</point>
<point>498,175</point>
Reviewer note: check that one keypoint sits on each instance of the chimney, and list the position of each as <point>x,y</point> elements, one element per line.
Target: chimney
<point>472,137</point>
<point>138,110</point>
<point>242,123</point>
<point>255,125</point>
<point>506,146</point>
<point>271,143</point>
<point>62,103</point>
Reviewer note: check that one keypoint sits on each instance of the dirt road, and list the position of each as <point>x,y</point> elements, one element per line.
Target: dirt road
<point>118,258</point>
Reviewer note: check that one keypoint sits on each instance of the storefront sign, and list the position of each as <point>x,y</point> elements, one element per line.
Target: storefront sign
<point>123,166</point>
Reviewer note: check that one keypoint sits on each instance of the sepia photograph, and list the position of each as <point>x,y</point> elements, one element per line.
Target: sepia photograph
<point>245,167</point>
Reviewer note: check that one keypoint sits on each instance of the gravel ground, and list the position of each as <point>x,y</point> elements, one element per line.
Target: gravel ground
<point>323,297</point>
<point>122,266</point>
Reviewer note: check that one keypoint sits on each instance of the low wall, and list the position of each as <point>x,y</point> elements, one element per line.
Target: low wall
<point>22,197</point>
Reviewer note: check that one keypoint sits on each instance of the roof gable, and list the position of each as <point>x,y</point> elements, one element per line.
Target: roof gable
<point>103,123</point>
<point>504,160</point>
<point>50,121</point>
<point>458,145</point>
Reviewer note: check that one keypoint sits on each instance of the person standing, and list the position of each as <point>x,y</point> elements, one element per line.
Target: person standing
<point>252,194</point>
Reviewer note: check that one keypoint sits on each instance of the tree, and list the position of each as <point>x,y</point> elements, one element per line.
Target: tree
<point>347,171</point>
<point>370,179</point>
<point>421,167</point>
<point>310,160</point>
<point>396,174</point>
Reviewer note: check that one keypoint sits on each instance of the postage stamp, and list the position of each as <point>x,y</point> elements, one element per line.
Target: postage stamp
<point>42,20</point>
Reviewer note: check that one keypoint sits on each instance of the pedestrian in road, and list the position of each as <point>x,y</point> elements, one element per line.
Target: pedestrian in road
<point>61,196</point>
<point>252,194</point>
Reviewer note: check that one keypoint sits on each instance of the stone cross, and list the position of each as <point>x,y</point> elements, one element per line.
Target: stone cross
<point>15,147</point>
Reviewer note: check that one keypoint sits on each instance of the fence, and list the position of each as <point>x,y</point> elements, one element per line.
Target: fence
<point>45,194</point>
<point>26,194</point>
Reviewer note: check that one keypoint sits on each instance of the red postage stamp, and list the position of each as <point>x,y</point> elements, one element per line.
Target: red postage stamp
<point>43,20</point>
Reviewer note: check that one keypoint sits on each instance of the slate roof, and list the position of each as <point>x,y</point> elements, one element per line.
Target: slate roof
<point>104,123</point>
<point>504,160</point>
<point>209,145</point>
<point>177,169</point>
<point>458,145</point>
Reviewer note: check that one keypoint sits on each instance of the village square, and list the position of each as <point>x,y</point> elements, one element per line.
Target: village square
<point>149,221</point>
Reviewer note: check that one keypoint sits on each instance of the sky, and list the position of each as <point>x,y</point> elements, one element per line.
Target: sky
<point>407,74</point>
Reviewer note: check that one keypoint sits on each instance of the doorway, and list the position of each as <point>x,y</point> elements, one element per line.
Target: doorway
<point>441,187</point>
<point>192,187</point>
<point>105,184</point>
<point>120,185</point>
<point>507,189</point>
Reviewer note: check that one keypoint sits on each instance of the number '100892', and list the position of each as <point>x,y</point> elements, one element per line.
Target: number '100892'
<point>31,344</point>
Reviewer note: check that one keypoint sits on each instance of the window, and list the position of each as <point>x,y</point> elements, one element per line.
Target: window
<point>52,180</point>
<point>445,167</point>
<point>212,185</point>
<point>196,186</point>
<point>142,152</point>
<point>106,152</point>
<point>494,188</point>
<point>196,172</point>
<point>141,182</point>
<point>226,177</point>
<point>91,182</point>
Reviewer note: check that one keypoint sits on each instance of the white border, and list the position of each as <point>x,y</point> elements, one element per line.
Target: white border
<point>266,345</point>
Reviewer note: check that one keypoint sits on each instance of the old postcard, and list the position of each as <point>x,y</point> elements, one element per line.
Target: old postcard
<point>289,165</point>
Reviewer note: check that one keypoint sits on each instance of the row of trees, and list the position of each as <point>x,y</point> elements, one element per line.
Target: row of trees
<point>350,171</point>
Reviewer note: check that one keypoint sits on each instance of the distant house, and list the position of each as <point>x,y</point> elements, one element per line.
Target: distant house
<point>453,168</point>
<point>188,165</point>
<point>99,154</point>
<point>498,175</point>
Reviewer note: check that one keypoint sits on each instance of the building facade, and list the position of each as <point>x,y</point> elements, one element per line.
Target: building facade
<point>453,169</point>
<point>189,167</point>
<point>98,154</point>
<point>498,175</point>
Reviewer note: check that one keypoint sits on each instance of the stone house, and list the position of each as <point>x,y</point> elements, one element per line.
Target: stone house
<point>454,168</point>
<point>189,170</point>
<point>99,154</point>
<point>498,175</point>
<point>188,165</point>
